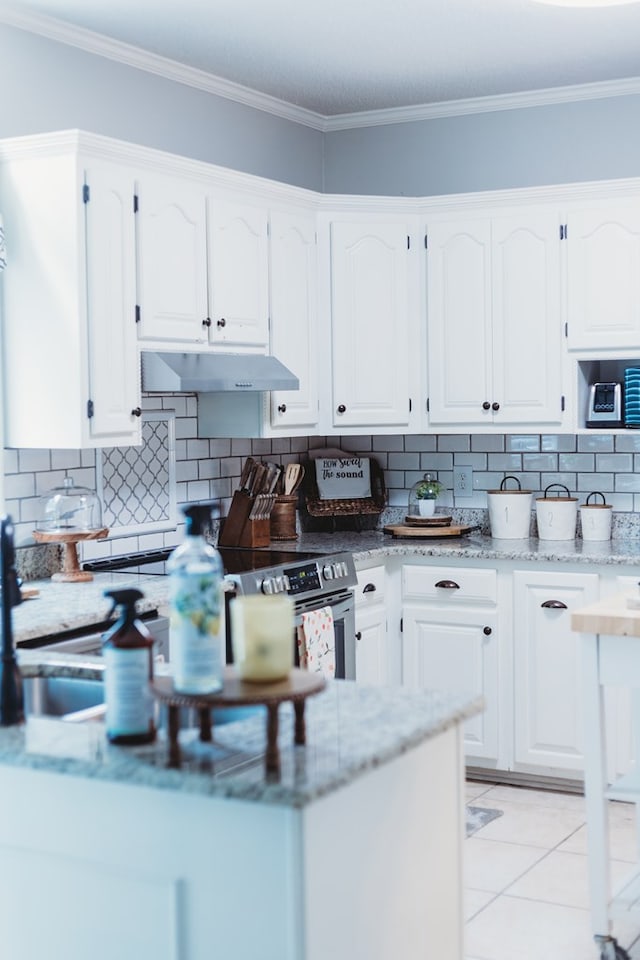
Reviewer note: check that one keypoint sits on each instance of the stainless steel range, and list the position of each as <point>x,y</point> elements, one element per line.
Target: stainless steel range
<point>313,580</point>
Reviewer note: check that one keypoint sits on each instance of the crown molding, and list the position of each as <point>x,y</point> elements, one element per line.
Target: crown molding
<point>132,56</point>
<point>506,101</point>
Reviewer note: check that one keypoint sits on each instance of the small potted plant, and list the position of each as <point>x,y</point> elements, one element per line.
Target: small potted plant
<point>423,496</point>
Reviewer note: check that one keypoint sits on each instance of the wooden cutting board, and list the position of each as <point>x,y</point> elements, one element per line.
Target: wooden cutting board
<point>427,533</point>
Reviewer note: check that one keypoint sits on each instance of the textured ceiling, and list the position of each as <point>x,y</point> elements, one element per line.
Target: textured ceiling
<point>345,56</point>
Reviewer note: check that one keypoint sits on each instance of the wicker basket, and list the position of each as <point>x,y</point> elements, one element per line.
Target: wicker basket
<point>322,516</point>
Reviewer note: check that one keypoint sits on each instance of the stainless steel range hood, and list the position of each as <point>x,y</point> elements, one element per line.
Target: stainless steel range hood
<point>214,372</point>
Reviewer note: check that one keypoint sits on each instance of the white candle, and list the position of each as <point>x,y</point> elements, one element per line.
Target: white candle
<point>262,637</point>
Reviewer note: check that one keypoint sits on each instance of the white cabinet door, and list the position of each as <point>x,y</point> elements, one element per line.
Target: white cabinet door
<point>370,324</point>
<point>456,650</point>
<point>114,379</point>
<point>172,260</point>
<point>547,670</point>
<point>68,300</point>
<point>238,273</point>
<point>373,661</point>
<point>603,276</point>
<point>527,323</point>
<point>459,357</point>
<point>293,317</point>
<point>494,323</point>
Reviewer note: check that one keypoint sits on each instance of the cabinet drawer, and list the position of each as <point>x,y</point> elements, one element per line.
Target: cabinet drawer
<point>457,584</point>
<point>370,587</point>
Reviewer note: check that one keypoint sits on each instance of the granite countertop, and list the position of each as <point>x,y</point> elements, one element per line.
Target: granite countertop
<point>350,729</point>
<point>71,606</point>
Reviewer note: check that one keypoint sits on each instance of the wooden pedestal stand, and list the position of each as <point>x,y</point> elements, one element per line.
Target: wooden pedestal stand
<point>71,572</point>
<point>239,693</point>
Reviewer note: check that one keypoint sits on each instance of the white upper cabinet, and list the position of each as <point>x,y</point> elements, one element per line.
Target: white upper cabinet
<point>69,298</point>
<point>494,320</point>
<point>172,260</point>
<point>370,323</point>
<point>294,317</point>
<point>603,276</point>
<point>238,273</point>
<point>203,266</point>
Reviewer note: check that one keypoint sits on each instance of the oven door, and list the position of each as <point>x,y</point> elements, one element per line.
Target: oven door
<point>342,607</point>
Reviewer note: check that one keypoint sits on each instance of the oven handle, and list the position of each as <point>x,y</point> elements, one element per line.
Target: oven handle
<point>340,606</point>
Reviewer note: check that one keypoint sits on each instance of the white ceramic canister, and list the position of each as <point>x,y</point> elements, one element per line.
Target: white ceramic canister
<point>596,518</point>
<point>509,512</point>
<point>556,515</point>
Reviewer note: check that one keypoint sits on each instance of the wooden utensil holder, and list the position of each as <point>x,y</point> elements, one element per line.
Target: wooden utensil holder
<point>238,530</point>
<point>283,518</point>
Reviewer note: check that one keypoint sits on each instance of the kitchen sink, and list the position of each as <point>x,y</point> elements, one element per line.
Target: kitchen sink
<point>63,697</point>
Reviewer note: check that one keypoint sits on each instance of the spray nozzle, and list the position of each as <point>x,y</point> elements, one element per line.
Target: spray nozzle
<point>126,599</point>
<point>198,516</point>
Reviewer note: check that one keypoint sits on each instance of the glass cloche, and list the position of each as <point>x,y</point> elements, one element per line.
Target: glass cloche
<point>69,509</point>
<point>423,496</point>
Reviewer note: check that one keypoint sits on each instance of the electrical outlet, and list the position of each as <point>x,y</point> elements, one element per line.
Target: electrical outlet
<point>462,482</point>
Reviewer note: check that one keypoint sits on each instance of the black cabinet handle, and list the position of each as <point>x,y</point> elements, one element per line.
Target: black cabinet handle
<point>448,584</point>
<point>486,405</point>
<point>206,322</point>
<point>369,588</point>
<point>342,408</point>
<point>222,322</point>
<point>282,408</point>
<point>495,406</point>
<point>136,412</point>
<point>358,635</point>
<point>487,631</point>
<point>554,605</point>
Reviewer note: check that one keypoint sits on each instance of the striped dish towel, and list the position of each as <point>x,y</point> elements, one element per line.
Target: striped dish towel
<point>317,642</point>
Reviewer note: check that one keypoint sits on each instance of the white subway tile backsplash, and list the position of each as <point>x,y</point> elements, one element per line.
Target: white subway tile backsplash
<point>597,442</point>
<point>628,442</point>
<point>280,445</point>
<point>517,442</point>
<point>192,405</point>
<point>65,459</point>
<point>604,482</point>
<point>219,448</point>
<point>436,461</point>
<point>567,480</point>
<point>32,460</point>
<point>502,461</point>
<point>539,461</point>
<point>19,485</point>
<point>576,461</point>
<point>560,443</point>
<point>10,461</point>
<point>615,462</point>
<point>491,442</point>
<point>231,467</point>
<point>241,447</point>
<point>186,428</point>
<point>198,490</point>
<point>177,404</point>
<point>478,461</point>
<point>261,448</point>
<point>208,469</point>
<point>391,442</point>
<point>186,470</point>
<point>404,461</point>
<point>627,483</point>
<point>453,442</point>
<point>422,442</point>
<point>197,449</point>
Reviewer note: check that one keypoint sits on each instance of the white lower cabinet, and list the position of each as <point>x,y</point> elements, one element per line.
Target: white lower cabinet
<point>450,642</point>
<point>374,661</point>
<point>547,670</point>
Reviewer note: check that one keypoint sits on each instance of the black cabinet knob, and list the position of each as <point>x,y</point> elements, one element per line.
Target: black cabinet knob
<point>554,605</point>
<point>495,406</point>
<point>358,635</point>
<point>282,408</point>
<point>486,405</point>
<point>487,631</point>
<point>342,408</point>
<point>448,584</point>
<point>206,322</point>
<point>221,322</point>
<point>136,412</point>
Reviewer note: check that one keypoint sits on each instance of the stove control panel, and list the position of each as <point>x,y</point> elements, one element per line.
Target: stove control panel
<point>334,571</point>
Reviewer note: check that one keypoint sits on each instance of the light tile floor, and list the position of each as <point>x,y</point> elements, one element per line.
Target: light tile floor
<point>526,894</point>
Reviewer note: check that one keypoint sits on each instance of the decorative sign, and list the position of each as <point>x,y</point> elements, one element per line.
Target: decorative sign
<point>346,478</point>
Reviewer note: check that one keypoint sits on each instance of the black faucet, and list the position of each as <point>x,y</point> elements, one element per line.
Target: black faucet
<point>11,697</point>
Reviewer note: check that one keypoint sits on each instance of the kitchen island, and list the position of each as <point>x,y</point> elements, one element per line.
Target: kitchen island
<point>354,850</point>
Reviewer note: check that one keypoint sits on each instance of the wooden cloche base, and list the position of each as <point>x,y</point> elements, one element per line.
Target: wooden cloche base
<point>71,572</point>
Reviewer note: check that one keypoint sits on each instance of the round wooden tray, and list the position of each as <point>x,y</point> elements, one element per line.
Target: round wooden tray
<point>236,692</point>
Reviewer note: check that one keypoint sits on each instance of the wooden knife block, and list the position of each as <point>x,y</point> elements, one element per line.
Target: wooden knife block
<point>238,530</point>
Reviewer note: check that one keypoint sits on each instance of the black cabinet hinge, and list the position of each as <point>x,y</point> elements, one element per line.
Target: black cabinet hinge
<point>86,193</point>
<point>137,313</point>
<point>135,203</point>
<point>89,409</point>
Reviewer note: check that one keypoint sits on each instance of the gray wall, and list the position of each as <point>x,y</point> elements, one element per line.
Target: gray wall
<point>52,86</point>
<point>534,146</point>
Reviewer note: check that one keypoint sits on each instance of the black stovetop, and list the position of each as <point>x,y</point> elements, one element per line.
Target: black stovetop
<point>235,560</point>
